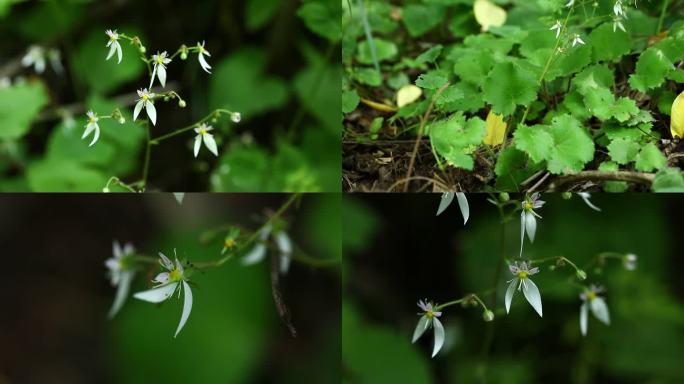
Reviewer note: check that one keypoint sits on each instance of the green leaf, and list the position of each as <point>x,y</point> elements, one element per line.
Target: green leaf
<point>350,100</point>
<point>669,180</point>
<point>454,139</point>
<point>250,92</point>
<point>470,102</point>
<point>420,18</point>
<point>623,151</point>
<point>473,65</point>
<point>593,78</point>
<point>535,141</point>
<point>573,146</point>
<point>609,45</point>
<point>318,90</point>
<point>650,158</point>
<point>100,75</point>
<point>509,85</point>
<point>449,95</point>
<point>323,17</point>
<point>384,51</point>
<point>623,109</point>
<point>612,186</point>
<point>19,105</point>
<point>512,168</point>
<point>259,12</point>
<point>430,55</point>
<point>64,176</point>
<point>368,76</point>
<point>430,81</point>
<point>656,63</point>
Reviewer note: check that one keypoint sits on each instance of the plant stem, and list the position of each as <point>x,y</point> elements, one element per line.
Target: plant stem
<point>662,15</point>
<point>177,132</point>
<point>146,165</point>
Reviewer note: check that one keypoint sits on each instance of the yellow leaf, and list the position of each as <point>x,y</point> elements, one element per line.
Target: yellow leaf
<point>489,14</point>
<point>408,94</point>
<point>677,116</point>
<point>496,128</point>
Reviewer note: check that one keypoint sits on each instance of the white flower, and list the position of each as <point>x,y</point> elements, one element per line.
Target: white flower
<point>55,57</point>
<point>258,252</point>
<point>145,101</point>
<point>235,117</point>
<point>591,301</point>
<point>284,244</point>
<point>200,56</point>
<point>34,56</point>
<point>448,197</point>
<point>577,40</point>
<point>528,221</point>
<point>557,27</point>
<point>92,126</point>
<point>629,261</point>
<point>586,196</point>
<point>168,283</point>
<point>159,61</point>
<point>617,23</point>
<point>617,9</point>
<point>120,273</point>
<point>428,318</point>
<point>522,273</point>
<point>113,44</point>
<point>570,3</point>
<point>204,135</point>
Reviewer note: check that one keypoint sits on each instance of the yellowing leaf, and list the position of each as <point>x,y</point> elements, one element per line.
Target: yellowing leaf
<point>496,128</point>
<point>408,94</point>
<point>489,14</point>
<point>677,116</point>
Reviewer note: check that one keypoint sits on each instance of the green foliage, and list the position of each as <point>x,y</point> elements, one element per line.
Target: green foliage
<point>454,138</point>
<point>19,105</point>
<point>507,86</point>
<point>322,17</point>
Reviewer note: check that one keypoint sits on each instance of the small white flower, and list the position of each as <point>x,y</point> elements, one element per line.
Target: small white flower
<point>168,283</point>
<point>617,9</point>
<point>528,218</point>
<point>235,117</point>
<point>284,244</point>
<point>617,23</point>
<point>577,40</point>
<point>200,56</point>
<point>592,301</point>
<point>570,3</point>
<point>557,27</point>
<point>258,252</point>
<point>522,272</point>
<point>120,273</point>
<point>145,101</point>
<point>586,196</point>
<point>448,197</point>
<point>629,261</point>
<point>113,44</point>
<point>203,135</point>
<point>92,127</point>
<point>159,62</point>
<point>429,318</point>
<point>34,56</point>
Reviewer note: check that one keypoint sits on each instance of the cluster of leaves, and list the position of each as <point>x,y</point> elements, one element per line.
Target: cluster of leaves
<point>294,152</point>
<point>601,104</point>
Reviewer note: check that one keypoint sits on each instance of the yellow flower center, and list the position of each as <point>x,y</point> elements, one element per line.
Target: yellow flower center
<point>528,206</point>
<point>160,60</point>
<point>430,314</point>
<point>591,295</point>
<point>203,131</point>
<point>175,275</point>
<point>522,274</point>
<point>230,243</point>
<point>145,96</point>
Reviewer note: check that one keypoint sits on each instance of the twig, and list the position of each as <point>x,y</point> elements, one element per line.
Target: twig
<point>538,183</point>
<point>433,181</point>
<point>280,305</point>
<point>632,177</point>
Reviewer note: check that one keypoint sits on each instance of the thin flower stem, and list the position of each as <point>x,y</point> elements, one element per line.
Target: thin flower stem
<point>215,113</point>
<point>662,15</point>
<point>468,297</point>
<point>146,165</point>
<point>556,258</point>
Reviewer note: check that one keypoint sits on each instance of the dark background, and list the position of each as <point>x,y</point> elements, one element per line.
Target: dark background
<point>397,252</point>
<point>55,294</point>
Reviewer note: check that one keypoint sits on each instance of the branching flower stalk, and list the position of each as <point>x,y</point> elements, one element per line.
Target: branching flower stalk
<point>157,69</point>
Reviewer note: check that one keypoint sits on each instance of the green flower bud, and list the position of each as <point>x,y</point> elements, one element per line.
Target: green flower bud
<point>122,120</point>
<point>504,196</point>
<point>488,315</point>
<point>566,195</point>
<point>581,275</point>
<point>105,189</point>
<point>183,55</point>
<point>143,49</point>
<point>181,103</point>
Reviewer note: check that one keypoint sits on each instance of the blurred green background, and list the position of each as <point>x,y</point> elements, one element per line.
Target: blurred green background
<point>275,61</point>
<point>55,295</point>
<point>396,252</point>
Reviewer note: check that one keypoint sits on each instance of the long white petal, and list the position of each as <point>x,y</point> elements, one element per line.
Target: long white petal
<point>89,128</point>
<point>210,143</point>
<point>138,107</point>
<point>586,197</point>
<point>112,49</point>
<point>198,144</point>
<point>157,295</point>
<point>187,307</point>
<point>285,246</point>
<point>532,295</point>
<point>96,136</point>
<point>161,74</point>
<point>600,310</point>
<point>531,226</point>
<point>154,73</point>
<point>439,335</point>
<point>509,294</point>
<point>204,64</point>
<point>445,201</point>
<point>583,319</point>
<point>522,230</point>
<point>421,327</point>
<point>463,204</point>
<point>121,292</point>
<point>118,51</point>
<point>151,112</point>
<point>255,255</point>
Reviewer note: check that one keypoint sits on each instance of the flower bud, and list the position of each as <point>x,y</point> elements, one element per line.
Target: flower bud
<point>105,189</point>
<point>183,55</point>
<point>122,120</point>
<point>581,275</point>
<point>504,196</point>
<point>143,49</point>
<point>566,195</point>
<point>488,315</point>
<point>236,117</point>
<point>181,103</point>
<point>166,98</point>
<point>552,268</point>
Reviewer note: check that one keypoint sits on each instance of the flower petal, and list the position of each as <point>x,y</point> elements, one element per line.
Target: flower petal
<point>530,226</point>
<point>255,255</point>
<point>165,262</point>
<point>198,143</point>
<point>285,246</point>
<point>522,230</point>
<point>118,51</point>
<point>600,310</point>
<point>97,134</point>
<point>187,307</point>
<point>532,295</point>
<point>154,73</point>
<point>158,294</point>
<point>112,49</point>
<point>445,201</point>
<point>509,294</point>
<point>161,74</point>
<point>138,107</point>
<point>586,196</point>
<point>439,335</point>
<point>89,128</point>
<point>463,204</point>
<point>421,327</point>
<point>161,278</point>
<point>210,143</point>
<point>203,63</point>
<point>121,292</point>
<point>583,319</point>
<point>151,112</point>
